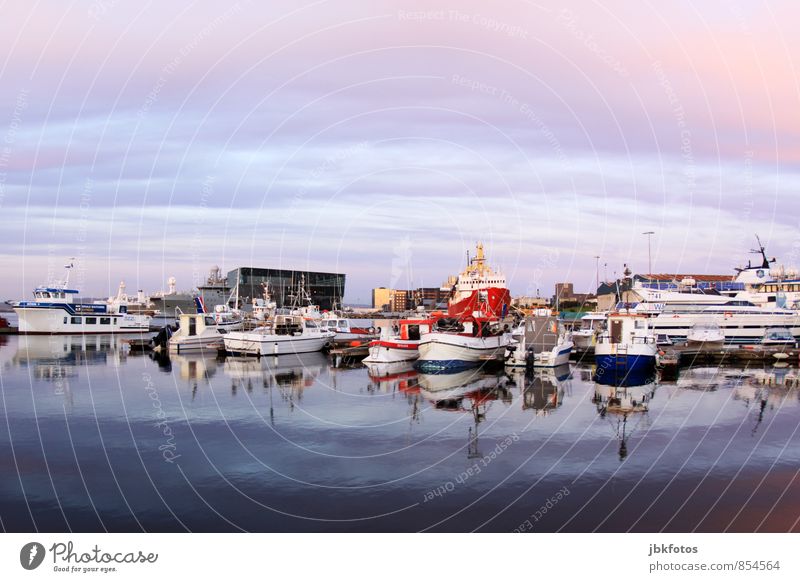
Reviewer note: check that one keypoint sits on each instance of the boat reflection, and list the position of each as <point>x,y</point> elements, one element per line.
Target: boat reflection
<point>468,391</point>
<point>620,403</point>
<point>289,374</point>
<point>393,377</point>
<point>544,389</point>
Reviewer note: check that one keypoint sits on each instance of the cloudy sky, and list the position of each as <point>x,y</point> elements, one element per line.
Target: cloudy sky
<point>382,139</point>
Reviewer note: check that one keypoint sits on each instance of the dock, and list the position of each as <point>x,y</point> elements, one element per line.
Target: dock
<point>678,356</point>
<point>344,355</point>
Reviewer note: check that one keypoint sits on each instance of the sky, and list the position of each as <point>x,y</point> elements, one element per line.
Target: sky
<point>383,139</point>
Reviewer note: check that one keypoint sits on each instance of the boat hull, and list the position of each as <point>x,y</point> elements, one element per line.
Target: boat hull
<point>444,351</point>
<point>387,352</point>
<point>498,300</point>
<point>56,320</point>
<point>558,356</point>
<point>257,344</point>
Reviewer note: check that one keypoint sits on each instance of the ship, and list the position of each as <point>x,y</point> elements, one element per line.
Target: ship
<point>479,289</point>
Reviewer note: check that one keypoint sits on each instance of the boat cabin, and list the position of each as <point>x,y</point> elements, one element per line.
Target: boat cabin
<point>628,329</point>
<point>191,324</point>
<point>54,295</point>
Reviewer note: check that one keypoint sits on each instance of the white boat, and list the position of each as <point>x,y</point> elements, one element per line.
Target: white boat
<point>225,318</point>
<point>399,343</point>
<point>477,341</point>
<point>778,336</point>
<point>539,341</point>
<point>585,336</point>
<point>626,351</point>
<point>284,334</point>
<point>196,331</point>
<point>345,330</point>
<point>706,334</point>
<point>54,310</point>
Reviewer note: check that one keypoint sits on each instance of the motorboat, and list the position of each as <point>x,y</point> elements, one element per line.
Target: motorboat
<point>626,350</point>
<point>284,334</point>
<point>196,331</point>
<point>585,336</point>
<point>708,334</point>
<point>54,310</point>
<point>399,343</point>
<point>540,342</point>
<point>778,336</point>
<point>346,330</point>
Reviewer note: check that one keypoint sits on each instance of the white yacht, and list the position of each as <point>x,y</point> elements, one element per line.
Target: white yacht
<point>284,334</point>
<point>54,310</point>
<point>706,334</point>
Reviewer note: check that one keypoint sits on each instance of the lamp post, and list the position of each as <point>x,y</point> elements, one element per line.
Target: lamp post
<point>597,273</point>
<point>649,235</point>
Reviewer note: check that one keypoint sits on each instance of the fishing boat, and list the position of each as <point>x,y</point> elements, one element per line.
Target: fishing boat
<point>284,334</point>
<point>539,341</point>
<point>462,344</point>
<point>54,310</point>
<point>479,287</point>
<point>627,350</point>
<point>400,343</point>
<point>707,334</point>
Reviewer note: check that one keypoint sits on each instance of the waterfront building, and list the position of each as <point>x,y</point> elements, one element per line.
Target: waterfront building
<point>325,289</point>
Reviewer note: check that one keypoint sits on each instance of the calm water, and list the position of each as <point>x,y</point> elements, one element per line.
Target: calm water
<point>94,439</point>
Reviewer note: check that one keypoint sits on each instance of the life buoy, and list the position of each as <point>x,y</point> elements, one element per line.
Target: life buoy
<point>371,330</point>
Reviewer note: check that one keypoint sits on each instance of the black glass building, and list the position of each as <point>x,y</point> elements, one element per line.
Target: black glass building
<point>326,289</point>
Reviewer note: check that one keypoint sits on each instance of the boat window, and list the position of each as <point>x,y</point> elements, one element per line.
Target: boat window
<point>105,321</point>
<point>311,324</point>
<point>76,320</point>
<point>192,326</point>
<point>123,309</point>
<point>342,323</point>
<point>639,324</point>
<point>210,321</point>
<point>65,320</point>
<point>91,320</point>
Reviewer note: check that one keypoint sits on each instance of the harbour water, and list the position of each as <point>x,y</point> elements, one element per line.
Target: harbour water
<point>97,439</point>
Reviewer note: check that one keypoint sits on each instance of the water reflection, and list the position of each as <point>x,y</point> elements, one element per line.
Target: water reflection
<point>376,439</point>
<point>623,401</point>
<point>543,390</point>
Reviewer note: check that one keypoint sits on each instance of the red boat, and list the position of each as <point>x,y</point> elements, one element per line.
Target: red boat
<point>479,289</point>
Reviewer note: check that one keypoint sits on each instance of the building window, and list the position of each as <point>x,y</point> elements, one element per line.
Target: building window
<point>75,321</point>
<point>91,320</point>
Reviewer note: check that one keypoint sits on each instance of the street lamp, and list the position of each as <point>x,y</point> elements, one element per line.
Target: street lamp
<point>649,235</point>
<point>597,273</point>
